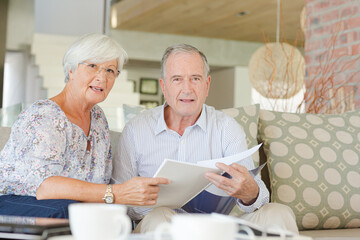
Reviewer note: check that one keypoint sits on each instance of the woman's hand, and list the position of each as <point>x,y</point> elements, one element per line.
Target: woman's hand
<point>139,191</point>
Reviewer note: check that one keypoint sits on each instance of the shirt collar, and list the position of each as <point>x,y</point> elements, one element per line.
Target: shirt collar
<point>161,124</point>
<point>201,122</point>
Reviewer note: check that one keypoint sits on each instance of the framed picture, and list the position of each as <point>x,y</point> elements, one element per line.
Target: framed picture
<point>149,86</point>
<point>149,104</point>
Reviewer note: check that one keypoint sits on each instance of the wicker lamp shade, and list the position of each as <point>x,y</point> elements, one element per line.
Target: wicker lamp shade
<point>277,70</point>
<point>303,19</point>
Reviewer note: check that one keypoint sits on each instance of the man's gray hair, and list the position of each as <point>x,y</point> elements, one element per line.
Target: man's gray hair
<point>93,47</point>
<point>182,48</point>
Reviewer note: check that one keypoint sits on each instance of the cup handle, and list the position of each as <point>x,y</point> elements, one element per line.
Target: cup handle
<point>161,229</point>
<point>125,224</point>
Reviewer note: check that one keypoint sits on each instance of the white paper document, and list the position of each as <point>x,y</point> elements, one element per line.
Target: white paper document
<point>187,179</point>
<point>230,159</point>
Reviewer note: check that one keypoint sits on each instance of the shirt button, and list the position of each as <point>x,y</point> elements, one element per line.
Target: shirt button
<point>182,141</point>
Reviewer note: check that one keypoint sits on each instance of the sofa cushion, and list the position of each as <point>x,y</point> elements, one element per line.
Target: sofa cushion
<point>313,165</point>
<point>114,140</point>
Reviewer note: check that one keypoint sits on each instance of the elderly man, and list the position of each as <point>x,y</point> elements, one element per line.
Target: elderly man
<point>187,130</point>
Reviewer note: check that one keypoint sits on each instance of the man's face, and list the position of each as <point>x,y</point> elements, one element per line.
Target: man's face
<point>185,86</point>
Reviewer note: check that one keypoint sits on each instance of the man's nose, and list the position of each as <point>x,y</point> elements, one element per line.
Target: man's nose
<point>187,84</point>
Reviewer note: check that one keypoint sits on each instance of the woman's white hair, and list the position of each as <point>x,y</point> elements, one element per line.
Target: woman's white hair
<point>95,48</point>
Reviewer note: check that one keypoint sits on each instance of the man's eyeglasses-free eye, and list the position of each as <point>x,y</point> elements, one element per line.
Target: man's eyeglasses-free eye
<point>110,73</point>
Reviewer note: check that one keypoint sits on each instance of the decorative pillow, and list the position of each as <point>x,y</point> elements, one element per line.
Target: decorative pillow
<point>313,162</point>
<point>248,118</point>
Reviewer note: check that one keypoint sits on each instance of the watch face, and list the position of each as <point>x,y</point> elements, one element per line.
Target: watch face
<point>109,199</point>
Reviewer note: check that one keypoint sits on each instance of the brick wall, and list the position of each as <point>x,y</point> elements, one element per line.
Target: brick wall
<point>332,55</point>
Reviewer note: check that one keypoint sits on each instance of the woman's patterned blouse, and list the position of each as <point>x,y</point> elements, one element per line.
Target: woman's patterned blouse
<point>44,143</point>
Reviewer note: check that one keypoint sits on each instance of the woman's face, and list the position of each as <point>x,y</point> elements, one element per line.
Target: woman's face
<point>92,82</point>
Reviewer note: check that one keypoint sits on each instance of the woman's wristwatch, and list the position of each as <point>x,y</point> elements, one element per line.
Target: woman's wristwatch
<point>109,196</point>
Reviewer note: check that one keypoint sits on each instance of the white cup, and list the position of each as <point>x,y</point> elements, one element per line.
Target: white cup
<point>94,221</point>
<point>197,227</point>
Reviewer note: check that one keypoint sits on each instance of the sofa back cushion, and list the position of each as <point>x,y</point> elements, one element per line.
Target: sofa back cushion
<point>114,140</point>
<point>313,162</point>
<point>5,134</point>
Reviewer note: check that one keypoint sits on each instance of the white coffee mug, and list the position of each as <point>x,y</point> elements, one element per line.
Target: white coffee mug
<point>94,221</point>
<point>197,227</point>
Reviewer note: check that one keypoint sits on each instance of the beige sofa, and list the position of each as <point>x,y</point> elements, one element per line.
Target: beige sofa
<point>295,146</point>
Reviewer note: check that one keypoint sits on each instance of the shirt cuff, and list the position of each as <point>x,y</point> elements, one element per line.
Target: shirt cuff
<point>255,206</point>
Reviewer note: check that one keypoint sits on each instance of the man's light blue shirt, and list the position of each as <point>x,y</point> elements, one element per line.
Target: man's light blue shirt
<point>146,141</point>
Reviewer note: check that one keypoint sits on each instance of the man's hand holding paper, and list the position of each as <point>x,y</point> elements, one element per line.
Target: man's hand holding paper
<point>242,184</point>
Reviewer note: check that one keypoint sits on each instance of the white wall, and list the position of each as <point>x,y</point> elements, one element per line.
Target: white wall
<point>69,17</point>
<point>59,17</point>
<point>242,87</point>
<point>221,94</point>
<point>230,87</point>
<point>20,24</point>
<point>14,79</point>
<point>136,73</point>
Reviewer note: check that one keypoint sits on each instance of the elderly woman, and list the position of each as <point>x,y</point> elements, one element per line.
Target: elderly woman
<point>59,149</point>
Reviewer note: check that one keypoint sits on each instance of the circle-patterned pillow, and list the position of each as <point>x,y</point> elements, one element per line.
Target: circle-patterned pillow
<point>314,166</point>
<point>248,118</point>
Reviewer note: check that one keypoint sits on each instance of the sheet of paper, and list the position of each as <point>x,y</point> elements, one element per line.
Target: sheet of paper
<point>257,170</point>
<point>230,159</point>
<point>187,179</point>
